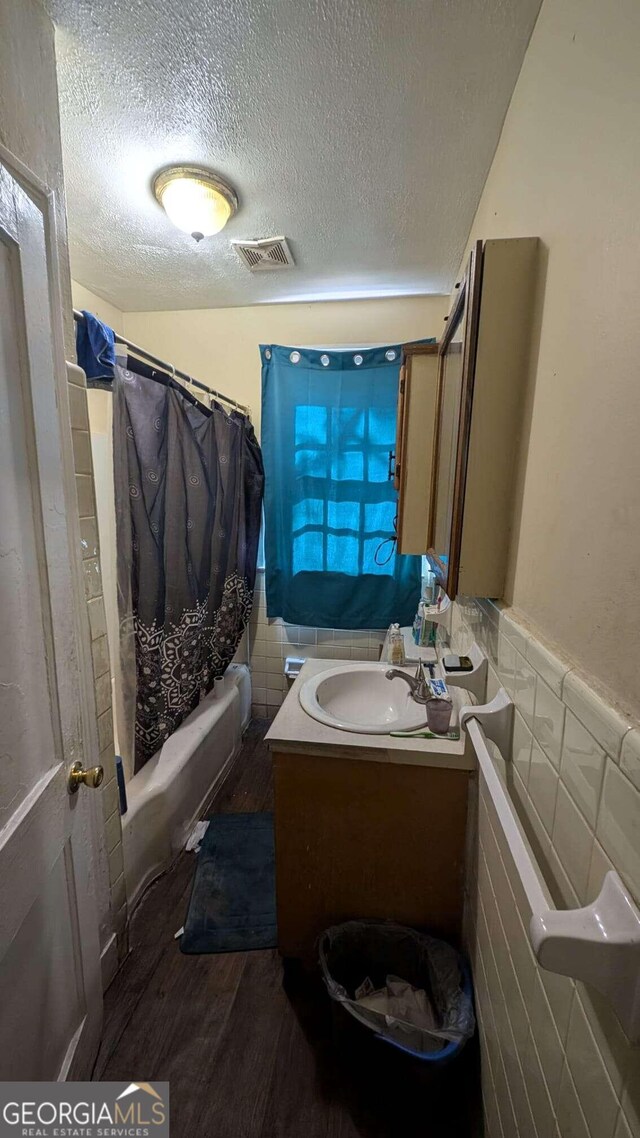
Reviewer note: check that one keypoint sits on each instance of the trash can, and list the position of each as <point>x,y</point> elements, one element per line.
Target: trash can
<point>395,985</point>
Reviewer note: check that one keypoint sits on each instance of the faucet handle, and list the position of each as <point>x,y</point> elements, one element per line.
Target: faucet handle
<point>422,690</point>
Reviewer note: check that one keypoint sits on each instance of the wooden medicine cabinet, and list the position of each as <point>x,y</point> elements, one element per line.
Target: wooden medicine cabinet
<point>456,463</point>
<point>482,375</point>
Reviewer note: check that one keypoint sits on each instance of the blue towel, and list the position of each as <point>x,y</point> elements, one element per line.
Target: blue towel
<point>95,349</point>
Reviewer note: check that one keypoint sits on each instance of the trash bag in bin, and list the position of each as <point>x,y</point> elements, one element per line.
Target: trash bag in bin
<point>363,955</point>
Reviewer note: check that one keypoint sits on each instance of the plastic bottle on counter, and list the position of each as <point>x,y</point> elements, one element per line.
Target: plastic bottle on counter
<point>396,647</point>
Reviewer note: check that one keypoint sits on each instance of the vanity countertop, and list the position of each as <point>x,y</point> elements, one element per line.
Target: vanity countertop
<point>294,731</point>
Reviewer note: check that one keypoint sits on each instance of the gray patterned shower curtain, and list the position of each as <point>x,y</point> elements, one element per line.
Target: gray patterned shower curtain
<point>188,490</point>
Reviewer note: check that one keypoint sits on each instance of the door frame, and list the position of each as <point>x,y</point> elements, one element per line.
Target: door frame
<point>83,1047</point>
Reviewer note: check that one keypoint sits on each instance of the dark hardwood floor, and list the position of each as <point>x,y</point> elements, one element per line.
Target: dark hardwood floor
<point>247,1044</point>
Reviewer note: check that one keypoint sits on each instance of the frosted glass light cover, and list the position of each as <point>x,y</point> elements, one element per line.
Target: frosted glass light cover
<point>195,204</point>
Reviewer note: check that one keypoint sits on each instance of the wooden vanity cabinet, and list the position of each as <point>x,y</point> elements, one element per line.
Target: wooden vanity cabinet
<point>415,426</point>
<point>482,373</point>
<point>357,838</point>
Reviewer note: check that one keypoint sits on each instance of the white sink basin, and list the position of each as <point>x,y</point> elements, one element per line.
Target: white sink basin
<point>359,697</point>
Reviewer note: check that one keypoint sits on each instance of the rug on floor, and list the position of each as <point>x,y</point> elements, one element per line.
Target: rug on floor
<point>233,900</point>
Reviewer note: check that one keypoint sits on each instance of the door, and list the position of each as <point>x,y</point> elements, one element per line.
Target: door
<point>50,989</point>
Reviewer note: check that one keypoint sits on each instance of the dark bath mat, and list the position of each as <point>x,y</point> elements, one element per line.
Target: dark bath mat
<point>233,900</point>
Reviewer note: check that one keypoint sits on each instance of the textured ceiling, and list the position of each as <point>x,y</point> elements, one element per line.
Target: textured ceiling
<point>363,130</point>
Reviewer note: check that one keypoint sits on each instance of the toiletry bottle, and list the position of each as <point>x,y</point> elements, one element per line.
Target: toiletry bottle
<point>396,646</point>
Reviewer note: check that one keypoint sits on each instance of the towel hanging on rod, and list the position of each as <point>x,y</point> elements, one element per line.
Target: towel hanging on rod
<point>172,371</point>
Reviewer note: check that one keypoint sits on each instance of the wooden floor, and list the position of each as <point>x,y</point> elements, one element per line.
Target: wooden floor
<point>247,1046</point>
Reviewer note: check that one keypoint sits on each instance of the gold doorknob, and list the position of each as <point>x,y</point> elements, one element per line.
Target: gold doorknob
<point>77,775</point>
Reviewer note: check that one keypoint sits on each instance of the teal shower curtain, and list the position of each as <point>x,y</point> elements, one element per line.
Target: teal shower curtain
<point>328,425</point>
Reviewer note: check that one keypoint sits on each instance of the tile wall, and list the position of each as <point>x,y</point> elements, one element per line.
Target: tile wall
<point>270,642</point>
<point>556,1063</point>
<point>113,932</point>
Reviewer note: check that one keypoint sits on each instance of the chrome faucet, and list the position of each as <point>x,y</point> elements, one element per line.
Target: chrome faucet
<point>420,690</point>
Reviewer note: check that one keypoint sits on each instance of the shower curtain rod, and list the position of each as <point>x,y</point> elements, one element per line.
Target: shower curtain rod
<point>169,368</point>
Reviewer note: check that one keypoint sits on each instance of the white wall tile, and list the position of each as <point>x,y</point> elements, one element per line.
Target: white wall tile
<point>506,663</point>
<point>100,653</point>
<point>560,994</point>
<point>110,798</point>
<point>582,767</point>
<point>493,683</point>
<point>306,636</point>
<point>600,866</point>
<point>89,537</point>
<point>630,756</point>
<point>596,1094</point>
<point>571,1120</point>
<point>607,725</point>
<point>548,721</point>
<point>103,693</point>
<point>92,578</point>
<point>510,627</point>
<point>619,1058</point>
<point>623,1130</point>
<point>97,618</point>
<point>543,786</point>
<point>631,1104</point>
<point>524,689</point>
<point>116,860</point>
<point>548,1042</point>
<point>521,747</point>
<point>539,1099</point>
<point>84,491</point>
<point>618,828</point>
<point>105,730</point>
<point>565,895</point>
<point>113,831</point>
<point>572,839</point>
<point>78,408</point>
<point>552,668</point>
<point>81,452</point>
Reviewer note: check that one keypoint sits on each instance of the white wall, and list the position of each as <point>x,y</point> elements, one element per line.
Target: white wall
<point>83,298</point>
<point>567,169</point>
<point>220,346</point>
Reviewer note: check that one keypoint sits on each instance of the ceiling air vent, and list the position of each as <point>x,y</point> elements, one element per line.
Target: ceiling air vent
<point>265,255</point>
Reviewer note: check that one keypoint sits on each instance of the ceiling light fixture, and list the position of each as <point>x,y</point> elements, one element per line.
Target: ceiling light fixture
<point>195,200</point>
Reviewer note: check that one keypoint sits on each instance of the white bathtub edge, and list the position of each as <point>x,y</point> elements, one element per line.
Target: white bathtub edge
<point>167,796</point>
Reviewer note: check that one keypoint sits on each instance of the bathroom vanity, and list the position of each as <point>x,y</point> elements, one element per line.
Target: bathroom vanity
<point>366,825</point>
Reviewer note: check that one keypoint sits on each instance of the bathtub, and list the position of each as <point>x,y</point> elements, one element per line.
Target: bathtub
<point>166,797</point>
